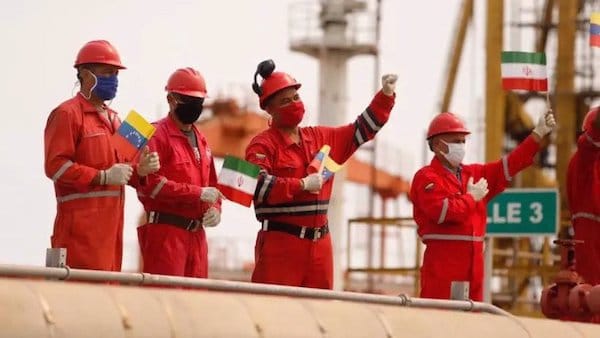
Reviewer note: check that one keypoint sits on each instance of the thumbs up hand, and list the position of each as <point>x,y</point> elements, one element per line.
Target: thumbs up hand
<point>149,162</point>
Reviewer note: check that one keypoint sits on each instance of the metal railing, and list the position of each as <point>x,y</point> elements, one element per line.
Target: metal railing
<point>66,273</point>
<point>371,268</point>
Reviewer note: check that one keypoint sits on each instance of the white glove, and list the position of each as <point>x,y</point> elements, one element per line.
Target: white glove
<point>312,182</point>
<point>388,84</point>
<point>210,194</point>
<point>211,218</point>
<point>545,124</point>
<point>477,190</point>
<point>149,162</point>
<point>118,174</point>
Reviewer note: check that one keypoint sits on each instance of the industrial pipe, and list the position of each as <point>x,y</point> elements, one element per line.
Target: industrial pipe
<point>40,308</point>
<point>569,298</point>
<point>66,273</point>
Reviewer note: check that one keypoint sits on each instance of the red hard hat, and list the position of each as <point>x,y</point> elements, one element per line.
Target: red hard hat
<point>98,51</point>
<point>445,123</point>
<point>274,83</point>
<point>187,81</point>
<point>589,119</point>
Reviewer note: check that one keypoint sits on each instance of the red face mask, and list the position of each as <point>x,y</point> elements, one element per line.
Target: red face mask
<point>290,116</point>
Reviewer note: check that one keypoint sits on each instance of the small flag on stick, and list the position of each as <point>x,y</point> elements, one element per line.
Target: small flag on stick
<point>323,164</point>
<point>330,168</point>
<point>523,70</point>
<point>238,179</point>
<point>133,134</point>
<point>595,29</point>
<point>318,163</point>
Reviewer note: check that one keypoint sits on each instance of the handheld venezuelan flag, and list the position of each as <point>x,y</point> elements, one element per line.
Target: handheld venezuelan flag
<point>330,167</point>
<point>595,29</point>
<point>317,164</point>
<point>238,179</point>
<point>133,134</point>
<point>524,70</point>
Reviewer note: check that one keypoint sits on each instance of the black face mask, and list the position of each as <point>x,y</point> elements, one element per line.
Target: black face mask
<point>189,112</point>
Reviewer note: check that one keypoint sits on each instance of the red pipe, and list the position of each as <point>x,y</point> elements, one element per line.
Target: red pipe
<point>569,298</point>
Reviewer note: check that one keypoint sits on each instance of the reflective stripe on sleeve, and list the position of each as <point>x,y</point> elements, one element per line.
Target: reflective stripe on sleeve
<point>61,170</point>
<point>158,187</point>
<point>265,188</point>
<point>371,121</point>
<point>359,137</point>
<point>586,215</point>
<point>589,138</point>
<point>505,167</point>
<point>444,211</point>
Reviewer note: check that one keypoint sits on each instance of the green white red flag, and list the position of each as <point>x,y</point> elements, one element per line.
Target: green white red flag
<point>238,180</point>
<point>524,70</point>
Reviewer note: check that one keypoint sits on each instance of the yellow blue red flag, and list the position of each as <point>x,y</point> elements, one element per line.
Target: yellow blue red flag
<point>322,163</point>
<point>133,134</point>
<point>330,168</point>
<point>595,29</point>
<point>316,165</point>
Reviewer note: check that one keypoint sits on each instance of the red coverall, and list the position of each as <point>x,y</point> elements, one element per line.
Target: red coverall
<point>175,189</point>
<point>89,219</point>
<point>453,225</point>
<point>282,258</point>
<point>583,193</point>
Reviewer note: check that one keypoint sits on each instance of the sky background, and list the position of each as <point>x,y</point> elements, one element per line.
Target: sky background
<point>224,40</point>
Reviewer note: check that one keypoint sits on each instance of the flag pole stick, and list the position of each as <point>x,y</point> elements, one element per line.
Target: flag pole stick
<point>548,101</point>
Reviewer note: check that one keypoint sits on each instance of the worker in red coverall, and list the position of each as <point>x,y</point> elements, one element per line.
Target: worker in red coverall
<point>583,193</point>
<point>449,203</point>
<point>293,246</point>
<point>180,199</point>
<point>88,172</point>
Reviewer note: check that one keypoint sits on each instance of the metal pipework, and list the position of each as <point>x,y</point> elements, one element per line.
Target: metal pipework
<point>569,298</point>
<point>60,310</point>
<point>66,273</point>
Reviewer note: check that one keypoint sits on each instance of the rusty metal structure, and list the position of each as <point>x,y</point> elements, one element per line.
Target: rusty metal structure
<point>386,278</point>
<point>569,298</point>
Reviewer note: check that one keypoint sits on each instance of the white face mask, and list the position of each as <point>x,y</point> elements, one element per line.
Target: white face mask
<point>456,153</point>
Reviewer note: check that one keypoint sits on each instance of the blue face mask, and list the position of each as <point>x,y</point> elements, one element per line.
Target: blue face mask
<point>105,87</point>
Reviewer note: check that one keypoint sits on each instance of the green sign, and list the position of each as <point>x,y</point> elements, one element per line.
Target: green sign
<point>523,212</point>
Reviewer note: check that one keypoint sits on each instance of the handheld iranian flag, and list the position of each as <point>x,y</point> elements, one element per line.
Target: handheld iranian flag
<point>238,179</point>
<point>523,70</point>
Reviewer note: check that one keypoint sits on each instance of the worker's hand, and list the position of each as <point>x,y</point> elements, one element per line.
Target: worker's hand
<point>312,183</point>
<point>118,174</point>
<point>210,195</point>
<point>211,218</point>
<point>545,124</point>
<point>149,162</point>
<point>388,84</point>
<point>477,190</point>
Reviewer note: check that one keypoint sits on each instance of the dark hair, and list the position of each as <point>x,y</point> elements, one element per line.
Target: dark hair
<point>87,66</point>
